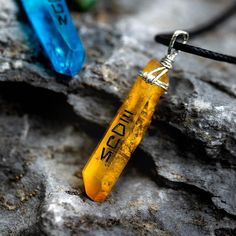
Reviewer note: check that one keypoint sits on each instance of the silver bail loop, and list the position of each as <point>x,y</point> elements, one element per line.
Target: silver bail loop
<point>169,59</point>
<point>152,77</point>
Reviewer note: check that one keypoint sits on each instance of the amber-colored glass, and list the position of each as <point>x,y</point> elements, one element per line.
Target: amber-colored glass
<point>122,137</point>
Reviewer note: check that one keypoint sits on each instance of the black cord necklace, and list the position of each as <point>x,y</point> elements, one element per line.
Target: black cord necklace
<point>166,38</point>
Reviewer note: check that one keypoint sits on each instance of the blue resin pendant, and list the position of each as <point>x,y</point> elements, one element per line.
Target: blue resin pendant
<point>54,27</point>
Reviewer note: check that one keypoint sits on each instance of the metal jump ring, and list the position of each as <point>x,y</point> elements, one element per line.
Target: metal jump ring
<point>175,36</point>
<point>168,60</point>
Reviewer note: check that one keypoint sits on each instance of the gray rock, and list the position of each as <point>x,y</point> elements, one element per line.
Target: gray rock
<point>181,180</point>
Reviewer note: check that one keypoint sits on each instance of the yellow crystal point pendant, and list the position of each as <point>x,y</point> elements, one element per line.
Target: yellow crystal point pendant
<point>126,130</point>
<point>123,136</point>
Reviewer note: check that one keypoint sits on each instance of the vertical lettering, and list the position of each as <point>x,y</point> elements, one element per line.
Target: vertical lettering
<point>119,129</point>
<point>62,20</point>
<point>124,120</point>
<point>106,155</point>
<point>114,140</point>
<point>57,8</point>
<point>129,112</point>
<point>109,142</point>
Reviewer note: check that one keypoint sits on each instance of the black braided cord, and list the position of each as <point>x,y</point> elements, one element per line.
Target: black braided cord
<point>165,38</point>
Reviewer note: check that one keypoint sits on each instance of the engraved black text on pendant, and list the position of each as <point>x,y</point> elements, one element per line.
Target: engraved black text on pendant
<point>59,11</point>
<point>118,133</point>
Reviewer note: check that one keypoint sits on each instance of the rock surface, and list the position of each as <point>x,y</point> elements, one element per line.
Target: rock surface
<point>180,181</point>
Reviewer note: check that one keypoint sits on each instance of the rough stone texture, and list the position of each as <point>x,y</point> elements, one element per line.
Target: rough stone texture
<point>181,180</point>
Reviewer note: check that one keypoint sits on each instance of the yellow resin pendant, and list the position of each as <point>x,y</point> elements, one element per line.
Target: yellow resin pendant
<point>127,129</point>
<point>123,135</point>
